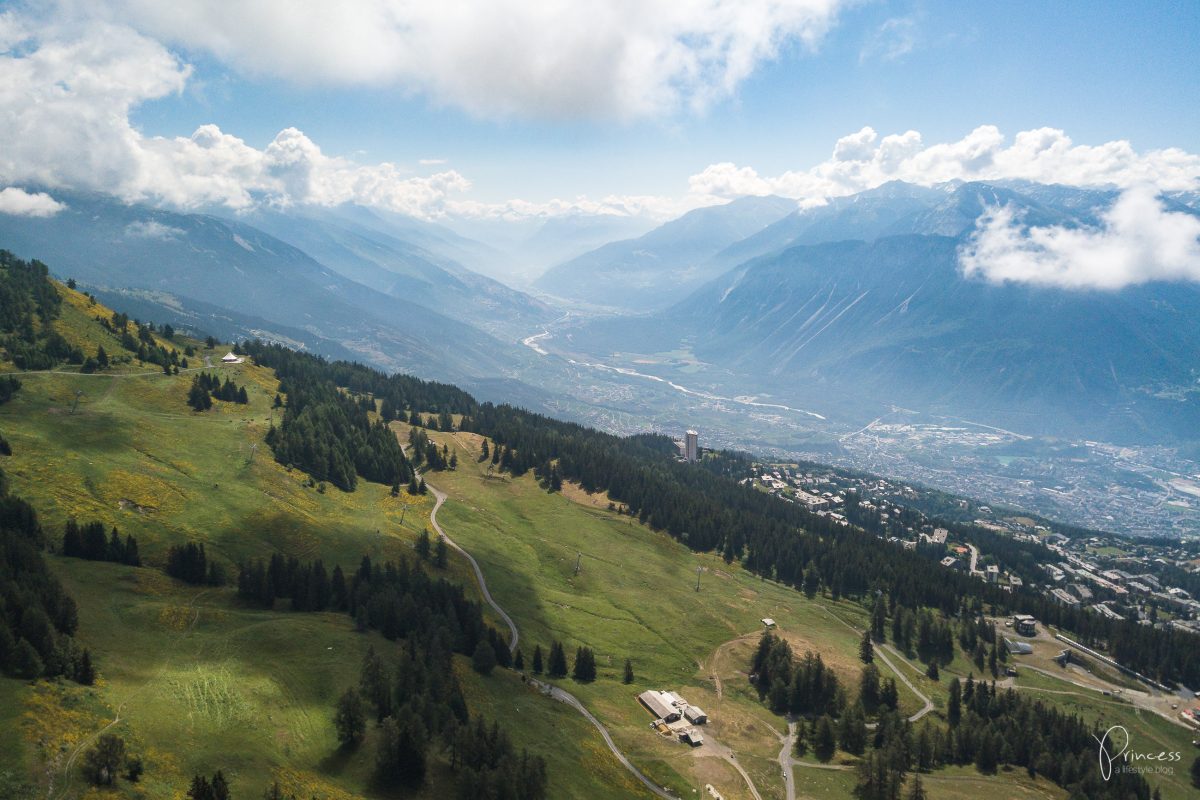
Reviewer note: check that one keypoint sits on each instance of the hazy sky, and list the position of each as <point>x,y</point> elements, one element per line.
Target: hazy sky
<point>536,106</point>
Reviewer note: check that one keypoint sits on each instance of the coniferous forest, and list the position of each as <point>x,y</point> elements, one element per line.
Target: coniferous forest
<point>708,510</point>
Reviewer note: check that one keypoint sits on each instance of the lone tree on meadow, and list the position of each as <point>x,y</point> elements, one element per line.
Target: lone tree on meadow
<point>628,679</point>
<point>102,762</point>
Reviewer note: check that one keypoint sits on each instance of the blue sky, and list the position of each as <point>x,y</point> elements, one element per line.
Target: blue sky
<point>1098,71</point>
<point>534,107</point>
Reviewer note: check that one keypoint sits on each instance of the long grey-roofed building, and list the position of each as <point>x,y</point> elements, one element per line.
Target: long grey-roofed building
<point>659,706</point>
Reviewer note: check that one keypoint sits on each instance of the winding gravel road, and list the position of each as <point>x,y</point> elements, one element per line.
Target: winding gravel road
<point>561,695</point>
<point>514,635</point>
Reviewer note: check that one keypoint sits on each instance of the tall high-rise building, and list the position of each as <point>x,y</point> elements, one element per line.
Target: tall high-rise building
<point>691,448</point>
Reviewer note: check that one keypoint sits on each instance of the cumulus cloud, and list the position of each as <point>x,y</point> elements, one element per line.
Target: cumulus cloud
<point>557,59</point>
<point>67,92</point>
<point>21,203</point>
<point>863,160</point>
<point>1138,241</point>
<point>65,101</point>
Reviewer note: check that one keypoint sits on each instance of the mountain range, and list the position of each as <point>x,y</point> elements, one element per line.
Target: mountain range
<point>338,282</point>
<point>647,272</point>
<point>887,318</point>
<point>853,307</point>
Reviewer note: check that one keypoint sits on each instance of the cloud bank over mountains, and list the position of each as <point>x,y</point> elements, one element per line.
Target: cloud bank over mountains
<point>863,160</point>
<point>1138,241</point>
<point>70,80</point>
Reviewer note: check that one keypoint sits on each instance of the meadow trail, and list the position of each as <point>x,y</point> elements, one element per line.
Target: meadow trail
<point>65,771</point>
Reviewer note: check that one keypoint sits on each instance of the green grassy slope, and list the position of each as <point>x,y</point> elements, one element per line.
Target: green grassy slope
<point>198,681</point>
<point>635,597</point>
<point>195,681</point>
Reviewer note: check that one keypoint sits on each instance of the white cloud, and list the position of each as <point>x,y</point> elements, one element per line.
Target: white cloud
<point>152,229</point>
<point>65,101</point>
<point>891,41</point>
<point>21,203</point>
<point>863,160</point>
<point>1138,241</point>
<point>543,58</point>
<point>67,92</point>
<point>431,162</point>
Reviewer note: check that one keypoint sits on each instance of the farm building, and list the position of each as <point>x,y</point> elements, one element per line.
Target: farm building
<point>658,704</point>
<point>768,622</point>
<point>695,715</point>
<point>692,737</point>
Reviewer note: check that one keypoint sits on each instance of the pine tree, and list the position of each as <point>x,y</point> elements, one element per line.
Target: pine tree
<point>852,730</point>
<point>26,661</point>
<point>812,581</point>
<point>537,660</point>
<point>85,673</point>
<point>954,705</point>
<point>72,540</point>
<point>889,696</point>
<point>132,557</point>
<point>351,718</point>
<point>879,620</point>
<point>102,762</point>
<point>423,545</point>
<point>866,650</point>
<point>519,661</point>
<point>484,659</point>
<point>628,679</point>
<point>220,787</point>
<point>585,665</point>
<point>824,741</point>
<point>556,666</point>
<point>374,684</point>
<point>199,789</point>
<point>932,671</point>
<point>800,747</point>
<point>986,756</point>
<point>868,687</point>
